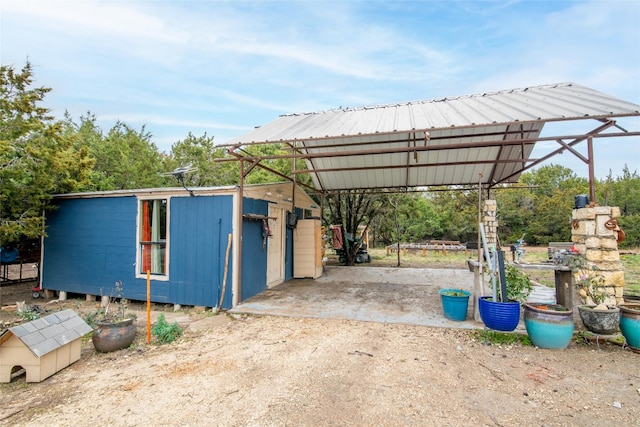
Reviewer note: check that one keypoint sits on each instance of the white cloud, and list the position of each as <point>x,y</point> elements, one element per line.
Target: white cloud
<point>181,66</point>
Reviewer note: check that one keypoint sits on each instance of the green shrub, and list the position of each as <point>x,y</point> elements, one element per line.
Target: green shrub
<point>164,331</point>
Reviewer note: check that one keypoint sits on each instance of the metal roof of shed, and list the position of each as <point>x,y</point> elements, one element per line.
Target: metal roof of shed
<point>462,140</point>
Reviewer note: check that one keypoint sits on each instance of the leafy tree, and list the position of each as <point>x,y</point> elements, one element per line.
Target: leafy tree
<point>624,192</point>
<point>36,158</point>
<point>282,165</point>
<point>124,158</point>
<point>350,209</point>
<point>553,191</point>
<point>458,213</point>
<point>406,217</point>
<point>200,153</point>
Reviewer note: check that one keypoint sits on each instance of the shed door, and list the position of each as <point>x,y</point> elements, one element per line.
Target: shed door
<point>275,253</point>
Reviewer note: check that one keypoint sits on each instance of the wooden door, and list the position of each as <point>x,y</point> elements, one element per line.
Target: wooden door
<point>275,251</point>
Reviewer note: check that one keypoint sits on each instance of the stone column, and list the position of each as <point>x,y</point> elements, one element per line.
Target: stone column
<point>594,238</point>
<point>490,222</point>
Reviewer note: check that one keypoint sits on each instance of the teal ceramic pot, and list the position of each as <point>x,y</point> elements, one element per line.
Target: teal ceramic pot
<point>454,303</point>
<point>630,324</point>
<point>549,325</point>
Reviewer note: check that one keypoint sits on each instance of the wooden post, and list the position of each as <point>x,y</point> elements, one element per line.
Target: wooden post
<point>148,307</point>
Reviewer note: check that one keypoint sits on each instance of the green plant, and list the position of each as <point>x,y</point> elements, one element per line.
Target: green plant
<point>455,293</point>
<point>518,284</point>
<point>164,331</point>
<point>489,337</point>
<point>588,279</point>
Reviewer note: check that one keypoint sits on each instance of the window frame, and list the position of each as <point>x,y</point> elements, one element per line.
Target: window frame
<point>139,242</point>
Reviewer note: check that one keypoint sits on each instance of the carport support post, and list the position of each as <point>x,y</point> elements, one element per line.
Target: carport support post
<point>592,179</point>
<point>294,178</point>
<point>238,298</point>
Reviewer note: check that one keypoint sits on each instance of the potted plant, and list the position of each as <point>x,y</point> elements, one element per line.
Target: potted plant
<point>548,325</point>
<point>502,313</point>
<point>454,303</point>
<point>114,328</point>
<point>597,316</point>
<point>630,324</point>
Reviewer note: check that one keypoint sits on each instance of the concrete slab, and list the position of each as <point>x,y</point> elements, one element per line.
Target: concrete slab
<point>372,294</point>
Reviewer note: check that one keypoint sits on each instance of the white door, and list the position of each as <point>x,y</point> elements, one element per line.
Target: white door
<point>275,251</point>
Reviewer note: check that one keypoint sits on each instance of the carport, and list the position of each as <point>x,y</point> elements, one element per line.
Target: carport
<point>474,141</point>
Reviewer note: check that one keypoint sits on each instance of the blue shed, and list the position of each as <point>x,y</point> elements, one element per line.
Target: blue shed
<point>179,241</point>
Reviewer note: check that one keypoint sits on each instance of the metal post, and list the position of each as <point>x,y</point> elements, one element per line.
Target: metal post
<point>592,180</point>
<point>238,298</point>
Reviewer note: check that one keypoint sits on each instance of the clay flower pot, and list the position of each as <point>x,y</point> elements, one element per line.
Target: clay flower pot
<point>114,335</point>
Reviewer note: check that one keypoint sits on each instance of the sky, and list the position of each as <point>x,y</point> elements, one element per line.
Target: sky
<point>221,68</point>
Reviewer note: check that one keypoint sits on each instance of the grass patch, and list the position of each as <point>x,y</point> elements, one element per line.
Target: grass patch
<point>631,264</point>
<point>489,337</point>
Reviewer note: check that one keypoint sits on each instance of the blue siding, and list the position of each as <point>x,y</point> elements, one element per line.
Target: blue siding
<point>199,232</point>
<point>254,255</point>
<point>91,244</point>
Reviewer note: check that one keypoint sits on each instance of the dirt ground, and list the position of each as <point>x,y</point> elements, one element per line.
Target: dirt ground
<point>283,371</point>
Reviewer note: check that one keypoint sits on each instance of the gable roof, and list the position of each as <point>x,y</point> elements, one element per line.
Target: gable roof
<point>49,333</point>
<point>446,141</point>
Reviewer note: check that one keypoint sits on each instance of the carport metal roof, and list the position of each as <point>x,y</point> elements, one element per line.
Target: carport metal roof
<point>485,138</point>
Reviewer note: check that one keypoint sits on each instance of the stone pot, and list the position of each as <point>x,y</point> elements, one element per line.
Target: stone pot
<point>601,322</point>
<point>549,325</point>
<point>630,324</point>
<point>112,336</point>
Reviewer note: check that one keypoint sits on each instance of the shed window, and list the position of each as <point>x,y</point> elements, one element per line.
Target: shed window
<point>153,236</point>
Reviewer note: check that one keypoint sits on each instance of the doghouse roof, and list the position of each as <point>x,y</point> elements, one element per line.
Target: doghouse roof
<point>49,333</point>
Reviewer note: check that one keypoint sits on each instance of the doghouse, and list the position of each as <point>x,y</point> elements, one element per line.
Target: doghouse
<point>43,346</point>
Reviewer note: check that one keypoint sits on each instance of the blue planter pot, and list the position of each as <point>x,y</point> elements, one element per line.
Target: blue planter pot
<point>454,306</point>
<point>549,328</point>
<point>499,316</point>
<point>630,324</point>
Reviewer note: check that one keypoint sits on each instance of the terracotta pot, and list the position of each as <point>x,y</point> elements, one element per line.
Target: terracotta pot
<point>112,336</point>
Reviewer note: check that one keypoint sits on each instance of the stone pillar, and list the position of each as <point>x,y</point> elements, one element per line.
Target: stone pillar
<point>594,238</point>
<point>490,222</point>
